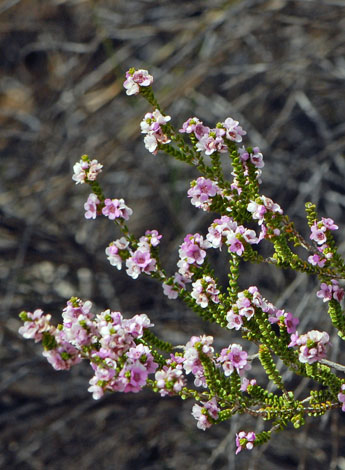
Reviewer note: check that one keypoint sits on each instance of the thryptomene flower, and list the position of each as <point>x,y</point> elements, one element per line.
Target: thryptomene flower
<point>318,234</point>
<point>35,324</point>
<point>233,358</point>
<point>312,346</point>
<point>91,206</point>
<point>341,396</point>
<point>136,79</point>
<point>233,131</point>
<point>245,441</point>
<point>123,353</point>
<point>253,155</point>
<point>206,414</point>
<point>205,290</point>
<point>202,191</point>
<point>329,291</point>
<point>151,125</point>
<point>195,126</point>
<point>86,169</point>
<point>113,252</point>
<point>116,209</point>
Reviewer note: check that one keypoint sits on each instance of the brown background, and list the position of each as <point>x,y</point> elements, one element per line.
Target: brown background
<point>277,66</point>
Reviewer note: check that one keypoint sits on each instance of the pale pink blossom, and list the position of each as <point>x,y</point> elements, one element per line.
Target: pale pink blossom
<point>312,346</point>
<point>233,358</point>
<point>205,414</point>
<point>235,320</point>
<point>91,206</point>
<point>113,252</point>
<point>116,209</point>
<point>205,290</point>
<point>195,126</point>
<point>135,79</point>
<point>245,441</point>
<point>86,170</point>
<point>202,191</point>
<point>341,396</point>
<point>233,130</point>
<point>316,260</point>
<point>318,234</point>
<point>35,324</point>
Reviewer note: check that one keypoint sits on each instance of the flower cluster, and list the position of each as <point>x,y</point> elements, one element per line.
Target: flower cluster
<point>227,230</point>
<point>124,352</point>
<point>116,209</point>
<point>209,140</point>
<point>330,291</point>
<point>204,291</point>
<point>192,253</point>
<point>233,359</point>
<point>151,125</point>
<point>171,379</point>
<point>141,260</point>
<point>192,362</point>
<point>202,191</point>
<point>136,79</point>
<point>86,170</point>
<point>312,346</point>
<point>206,414</point>
<point>110,342</point>
<point>319,232</point>
<point>245,441</point>
<point>261,206</point>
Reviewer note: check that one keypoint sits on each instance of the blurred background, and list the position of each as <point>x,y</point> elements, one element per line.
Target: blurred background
<point>277,66</point>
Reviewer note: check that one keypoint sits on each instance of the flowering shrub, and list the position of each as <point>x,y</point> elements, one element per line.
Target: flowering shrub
<point>126,356</point>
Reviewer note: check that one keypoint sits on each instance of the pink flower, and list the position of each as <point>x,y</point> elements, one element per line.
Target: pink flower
<point>245,383</point>
<point>91,206</point>
<point>235,320</point>
<point>135,79</point>
<point>234,244</point>
<point>233,358</point>
<point>133,377</point>
<point>205,290</point>
<point>192,363</point>
<point>35,324</point>
<point>341,396</point>
<point>170,291</point>
<point>329,291</point>
<point>151,126</point>
<point>329,224</point>
<point>210,143</point>
<point>86,170</point>
<point>316,260</point>
<point>257,210</point>
<point>234,132</point>
<point>141,261</point>
<point>202,191</point>
<point>312,345</point>
<point>205,414</point>
<point>255,156</point>
<point>245,441</point>
<point>318,234</point>
<point>325,292</point>
<point>63,356</point>
<point>194,125</point>
<point>113,252</point>
<point>116,209</point>
<point>193,248</point>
